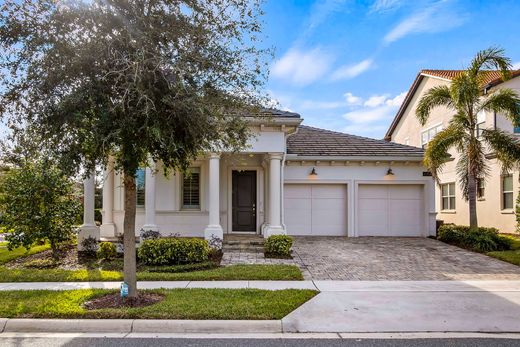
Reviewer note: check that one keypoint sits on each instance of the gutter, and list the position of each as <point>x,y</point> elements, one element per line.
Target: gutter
<point>355,158</point>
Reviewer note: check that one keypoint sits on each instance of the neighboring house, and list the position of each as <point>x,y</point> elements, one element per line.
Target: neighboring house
<point>496,194</point>
<point>291,179</point>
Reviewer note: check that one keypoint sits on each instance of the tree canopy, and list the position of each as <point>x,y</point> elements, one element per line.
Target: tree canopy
<point>132,80</point>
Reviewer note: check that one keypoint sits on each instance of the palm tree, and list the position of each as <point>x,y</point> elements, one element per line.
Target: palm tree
<point>465,98</point>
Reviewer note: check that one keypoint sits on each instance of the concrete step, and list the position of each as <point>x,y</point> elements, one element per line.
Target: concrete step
<point>242,248</point>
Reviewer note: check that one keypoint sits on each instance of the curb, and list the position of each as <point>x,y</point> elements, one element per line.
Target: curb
<point>127,326</point>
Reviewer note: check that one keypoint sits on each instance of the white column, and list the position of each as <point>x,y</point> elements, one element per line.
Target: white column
<point>88,228</point>
<point>429,200</point>
<point>108,228</point>
<point>149,199</point>
<point>214,229</point>
<point>275,195</point>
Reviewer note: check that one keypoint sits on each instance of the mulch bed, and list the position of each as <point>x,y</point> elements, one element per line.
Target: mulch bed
<point>116,301</point>
<point>68,259</point>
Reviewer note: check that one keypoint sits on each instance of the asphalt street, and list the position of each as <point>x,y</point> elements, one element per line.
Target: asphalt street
<point>156,342</point>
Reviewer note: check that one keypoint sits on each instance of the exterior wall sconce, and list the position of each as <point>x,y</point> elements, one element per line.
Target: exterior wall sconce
<point>389,172</point>
<point>313,172</point>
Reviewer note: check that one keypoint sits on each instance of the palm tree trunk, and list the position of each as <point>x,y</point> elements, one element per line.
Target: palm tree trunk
<point>129,267</point>
<point>472,199</point>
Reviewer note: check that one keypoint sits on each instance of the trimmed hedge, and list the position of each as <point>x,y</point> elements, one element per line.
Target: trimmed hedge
<point>107,251</point>
<point>278,245</point>
<point>172,251</point>
<point>481,240</point>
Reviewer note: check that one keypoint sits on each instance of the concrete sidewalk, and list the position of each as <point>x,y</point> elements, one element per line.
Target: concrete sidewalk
<point>340,307</point>
<point>322,286</point>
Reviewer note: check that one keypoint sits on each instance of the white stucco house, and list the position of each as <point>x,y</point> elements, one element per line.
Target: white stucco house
<point>292,179</point>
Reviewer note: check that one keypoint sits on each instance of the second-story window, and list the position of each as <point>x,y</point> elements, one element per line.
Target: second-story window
<point>428,134</point>
<point>481,123</point>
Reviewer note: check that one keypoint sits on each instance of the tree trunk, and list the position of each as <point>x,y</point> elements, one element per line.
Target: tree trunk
<point>129,268</point>
<point>472,199</point>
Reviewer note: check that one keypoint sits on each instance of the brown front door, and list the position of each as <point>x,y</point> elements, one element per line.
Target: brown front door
<point>244,200</point>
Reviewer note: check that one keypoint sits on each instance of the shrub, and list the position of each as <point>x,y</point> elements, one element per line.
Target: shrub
<point>107,251</point>
<point>44,263</point>
<point>278,245</point>
<point>480,240</point>
<point>149,234</point>
<point>89,246</point>
<point>38,204</point>
<point>171,251</point>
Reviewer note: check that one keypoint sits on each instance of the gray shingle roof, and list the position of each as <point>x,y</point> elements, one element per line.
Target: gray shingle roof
<point>278,113</point>
<point>310,142</point>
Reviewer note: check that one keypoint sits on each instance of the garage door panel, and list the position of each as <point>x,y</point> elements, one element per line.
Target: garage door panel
<point>297,191</point>
<point>404,192</point>
<point>329,191</point>
<point>316,209</point>
<point>390,210</point>
<point>298,204</point>
<point>372,192</point>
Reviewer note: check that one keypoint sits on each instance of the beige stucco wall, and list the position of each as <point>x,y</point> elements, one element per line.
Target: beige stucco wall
<point>489,209</point>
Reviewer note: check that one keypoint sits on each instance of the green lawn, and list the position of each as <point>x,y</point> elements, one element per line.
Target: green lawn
<point>6,255</point>
<point>228,273</point>
<point>512,256</point>
<point>178,304</point>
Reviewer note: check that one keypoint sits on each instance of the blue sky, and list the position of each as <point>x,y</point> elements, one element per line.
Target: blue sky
<point>346,65</point>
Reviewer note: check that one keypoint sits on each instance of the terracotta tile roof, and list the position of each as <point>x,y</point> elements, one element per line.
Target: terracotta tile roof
<point>309,141</point>
<point>491,76</point>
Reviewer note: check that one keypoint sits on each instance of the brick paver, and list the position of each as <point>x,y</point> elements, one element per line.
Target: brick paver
<point>395,258</point>
<point>384,258</point>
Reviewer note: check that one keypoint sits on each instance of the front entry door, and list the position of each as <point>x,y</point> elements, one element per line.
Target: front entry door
<point>244,201</point>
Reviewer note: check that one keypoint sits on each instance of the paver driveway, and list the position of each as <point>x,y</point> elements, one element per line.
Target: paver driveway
<point>394,258</point>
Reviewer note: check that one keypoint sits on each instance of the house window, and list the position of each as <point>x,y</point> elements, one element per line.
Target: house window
<point>191,189</point>
<point>507,192</point>
<point>516,130</point>
<point>481,188</point>
<point>140,187</point>
<point>448,196</point>
<point>428,134</point>
<point>481,123</point>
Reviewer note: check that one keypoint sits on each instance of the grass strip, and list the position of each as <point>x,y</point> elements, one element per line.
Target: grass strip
<point>252,304</point>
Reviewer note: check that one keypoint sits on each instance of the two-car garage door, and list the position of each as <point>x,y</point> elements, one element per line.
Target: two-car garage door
<point>380,210</point>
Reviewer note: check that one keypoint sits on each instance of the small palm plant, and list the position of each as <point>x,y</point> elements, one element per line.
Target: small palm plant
<point>465,97</point>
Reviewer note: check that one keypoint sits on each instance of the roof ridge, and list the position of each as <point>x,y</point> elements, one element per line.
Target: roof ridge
<point>382,141</point>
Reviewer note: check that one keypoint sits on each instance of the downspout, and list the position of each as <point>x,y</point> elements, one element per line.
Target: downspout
<point>282,179</point>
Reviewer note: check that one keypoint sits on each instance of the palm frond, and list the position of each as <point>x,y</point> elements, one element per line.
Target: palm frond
<point>436,154</point>
<point>505,147</point>
<point>492,58</point>
<point>504,101</point>
<point>434,97</point>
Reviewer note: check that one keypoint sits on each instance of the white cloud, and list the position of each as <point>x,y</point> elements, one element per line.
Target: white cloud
<point>437,17</point>
<point>352,99</point>
<point>372,117</point>
<point>322,9</point>
<point>385,5</point>
<point>368,115</point>
<point>516,66</point>
<point>302,67</point>
<point>397,100</point>
<point>375,100</point>
<point>351,71</point>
